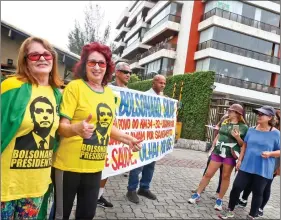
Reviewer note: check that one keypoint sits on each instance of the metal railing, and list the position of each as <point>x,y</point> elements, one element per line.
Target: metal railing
<point>241,19</point>
<point>156,48</point>
<point>160,46</point>
<point>239,51</point>
<point>168,17</point>
<point>246,84</point>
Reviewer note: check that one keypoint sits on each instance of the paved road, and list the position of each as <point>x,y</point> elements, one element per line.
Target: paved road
<point>174,178</point>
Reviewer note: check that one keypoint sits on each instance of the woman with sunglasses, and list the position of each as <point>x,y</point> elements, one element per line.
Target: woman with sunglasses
<point>226,148</point>
<point>29,122</point>
<point>256,162</point>
<point>87,116</point>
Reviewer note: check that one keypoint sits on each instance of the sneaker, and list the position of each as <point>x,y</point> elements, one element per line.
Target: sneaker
<point>146,193</point>
<point>249,217</point>
<point>126,174</point>
<point>102,202</point>
<point>218,205</point>
<point>226,214</point>
<point>133,197</point>
<point>260,213</point>
<point>242,203</point>
<point>194,198</point>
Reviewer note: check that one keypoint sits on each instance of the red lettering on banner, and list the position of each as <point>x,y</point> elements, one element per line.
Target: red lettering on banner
<point>115,164</point>
<point>106,161</point>
<point>168,123</point>
<point>157,124</point>
<point>123,124</point>
<point>138,135</point>
<point>150,135</point>
<point>146,123</point>
<point>135,123</point>
<point>163,134</point>
<point>122,158</point>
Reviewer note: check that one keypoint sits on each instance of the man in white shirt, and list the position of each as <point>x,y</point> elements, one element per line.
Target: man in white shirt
<point>158,86</point>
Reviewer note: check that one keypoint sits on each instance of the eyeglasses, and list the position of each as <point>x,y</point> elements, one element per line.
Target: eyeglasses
<point>260,114</point>
<point>125,72</point>
<point>37,56</point>
<point>93,63</point>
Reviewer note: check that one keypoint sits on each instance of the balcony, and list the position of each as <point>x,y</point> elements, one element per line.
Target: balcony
<point>134,29</point>
<point>167,27</point>
<point>156,9</point>
<point>142,6</point>
<point>154,53</point>
<point>241,19</point>
<point>134,48</point>
<point>123,18</point>
<point>239,51</point>
<point>121,33</point>
<point>119,47</point>
<point>132,5</point>
<point>246,84</point>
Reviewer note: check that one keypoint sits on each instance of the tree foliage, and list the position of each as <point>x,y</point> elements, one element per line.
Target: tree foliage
<point>90,30</point>
<point>196,97</point>
<point>134,78</point>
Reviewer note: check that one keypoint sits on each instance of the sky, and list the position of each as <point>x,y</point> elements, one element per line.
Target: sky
<point>53,20</point>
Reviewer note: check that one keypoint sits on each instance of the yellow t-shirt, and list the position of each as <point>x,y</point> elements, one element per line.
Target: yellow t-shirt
<point>27,160</point>
<point>80,155</point>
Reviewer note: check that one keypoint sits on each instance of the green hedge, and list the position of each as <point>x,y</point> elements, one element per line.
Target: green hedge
<point>196,95</point>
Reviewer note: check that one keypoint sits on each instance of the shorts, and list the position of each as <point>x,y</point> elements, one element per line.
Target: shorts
<point>228,160</point>
<point>27,208</point>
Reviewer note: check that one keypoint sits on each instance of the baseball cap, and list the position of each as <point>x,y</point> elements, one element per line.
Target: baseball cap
<point>267,110</point>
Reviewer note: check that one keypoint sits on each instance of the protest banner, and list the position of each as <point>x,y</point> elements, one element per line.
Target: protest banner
<point>144,116</point>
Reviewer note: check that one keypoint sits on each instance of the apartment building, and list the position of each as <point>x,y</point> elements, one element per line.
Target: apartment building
<point>239,40</point>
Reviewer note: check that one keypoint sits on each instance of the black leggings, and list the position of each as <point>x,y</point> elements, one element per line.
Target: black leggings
<point>67,185</point>
<point>266,194</point>
<point>219,185</point>
<point>240,183</point>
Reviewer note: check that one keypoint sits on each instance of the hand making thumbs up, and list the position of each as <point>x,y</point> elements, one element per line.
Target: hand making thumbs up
<point>84,128</point>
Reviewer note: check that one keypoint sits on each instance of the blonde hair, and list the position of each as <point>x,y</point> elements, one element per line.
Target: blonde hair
<point>23,72</point>
<point>241,119</point>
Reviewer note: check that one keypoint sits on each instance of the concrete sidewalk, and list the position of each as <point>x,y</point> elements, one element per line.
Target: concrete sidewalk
<point>174,178</point>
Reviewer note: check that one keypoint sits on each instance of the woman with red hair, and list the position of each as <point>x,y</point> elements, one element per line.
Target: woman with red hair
<point>87,115</point>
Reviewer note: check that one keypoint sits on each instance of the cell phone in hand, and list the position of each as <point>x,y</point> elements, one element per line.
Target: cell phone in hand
<point>236,127</point>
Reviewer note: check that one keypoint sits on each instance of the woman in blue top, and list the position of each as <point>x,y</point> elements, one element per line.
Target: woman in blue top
<point>262,145</point>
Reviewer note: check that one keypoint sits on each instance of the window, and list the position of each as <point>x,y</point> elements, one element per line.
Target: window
<point>248,11</point>
<point>276,50</point>
<point>236,39</point>
<point>240,72</point>
<point>167,67</point>
<point>135,37</point>
<point>153,67</point>
<point>270,18</point>
<point>174,9</point>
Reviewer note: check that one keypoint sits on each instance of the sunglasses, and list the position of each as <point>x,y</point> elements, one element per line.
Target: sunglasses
<point>125,72</point>
<point>37,56</point>
<point>93,63</point>
<point>260,114</point>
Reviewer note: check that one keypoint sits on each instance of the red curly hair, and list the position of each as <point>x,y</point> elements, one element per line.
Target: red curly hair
<point>80,67</point>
